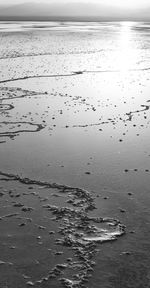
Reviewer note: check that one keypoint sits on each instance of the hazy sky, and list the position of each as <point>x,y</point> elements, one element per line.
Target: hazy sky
<point>119,3</point>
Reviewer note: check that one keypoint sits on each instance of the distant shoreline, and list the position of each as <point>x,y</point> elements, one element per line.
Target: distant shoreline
<point>57,19</point>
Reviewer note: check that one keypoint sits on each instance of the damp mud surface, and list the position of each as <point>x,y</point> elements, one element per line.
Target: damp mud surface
<point>74,231</point>
<point>74,155</point>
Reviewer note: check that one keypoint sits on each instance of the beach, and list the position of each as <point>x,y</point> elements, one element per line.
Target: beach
<point>74,154</point>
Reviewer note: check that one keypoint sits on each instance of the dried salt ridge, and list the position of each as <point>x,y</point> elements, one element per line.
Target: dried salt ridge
<point>7,93</point>
<point>78,231</point>
<point>75,73</point>
<point>130,114</point>
<point>17,128</point>
<point>7,56</point>
<point>10,128</point>
<point>5,107</point>
<point>41,76</point>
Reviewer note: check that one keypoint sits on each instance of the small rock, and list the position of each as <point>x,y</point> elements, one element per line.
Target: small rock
<point>41,227</point>
<point>22,224</point>
<point>18,205</point>
<point>30,283</point>
<point>87,173</point>
<point>2,262</point>
<point>122,210</point>
<point>38,237</point>
<point>126,253</point>
<point>25,276</point>
<point>58,253</point>
<point>27,209</point>
<point>51,232</point>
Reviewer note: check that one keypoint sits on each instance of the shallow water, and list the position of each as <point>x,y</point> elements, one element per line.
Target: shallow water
<point>75,110</point>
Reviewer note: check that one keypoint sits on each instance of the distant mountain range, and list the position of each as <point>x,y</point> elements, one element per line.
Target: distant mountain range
<point>71,11</point>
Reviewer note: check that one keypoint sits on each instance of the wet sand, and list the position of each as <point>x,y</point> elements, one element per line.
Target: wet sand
<point>75,159</point>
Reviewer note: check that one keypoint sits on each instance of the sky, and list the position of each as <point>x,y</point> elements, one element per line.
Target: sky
<point>135,10</point>
<point>119,3</point>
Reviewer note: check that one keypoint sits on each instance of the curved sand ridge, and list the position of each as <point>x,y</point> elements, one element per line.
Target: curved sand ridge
<point>13,128</point>
<point>74,73</point>
<point>79,232</point>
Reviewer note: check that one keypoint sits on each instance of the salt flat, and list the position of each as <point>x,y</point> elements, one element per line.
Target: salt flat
<point>74,121</point>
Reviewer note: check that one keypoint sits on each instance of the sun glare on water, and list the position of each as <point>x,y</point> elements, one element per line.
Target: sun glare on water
<point>127,54</point>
